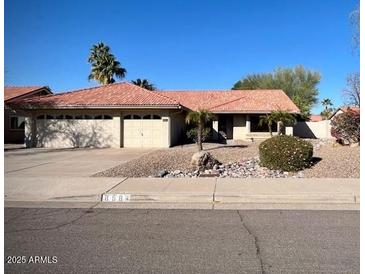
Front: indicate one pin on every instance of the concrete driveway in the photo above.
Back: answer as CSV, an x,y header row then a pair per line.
x,y
65,162
49,174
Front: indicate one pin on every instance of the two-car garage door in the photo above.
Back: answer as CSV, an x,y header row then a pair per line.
x,y
145,131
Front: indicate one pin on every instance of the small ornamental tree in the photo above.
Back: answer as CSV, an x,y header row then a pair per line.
x,y
199,119
346,127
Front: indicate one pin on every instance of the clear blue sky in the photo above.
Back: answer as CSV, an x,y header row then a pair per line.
x,y
179,44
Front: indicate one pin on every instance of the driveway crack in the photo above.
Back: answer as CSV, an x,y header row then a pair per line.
x,y
256,242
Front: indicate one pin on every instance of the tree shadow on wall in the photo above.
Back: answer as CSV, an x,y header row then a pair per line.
x,y
71,133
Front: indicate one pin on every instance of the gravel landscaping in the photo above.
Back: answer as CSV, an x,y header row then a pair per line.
x,y
239,160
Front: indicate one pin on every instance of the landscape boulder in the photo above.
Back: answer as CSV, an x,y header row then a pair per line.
x,y
203,160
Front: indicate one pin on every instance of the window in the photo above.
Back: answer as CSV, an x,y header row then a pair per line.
x,y
127,117
79,117
49,116
88,117
17,123
147,117
59,117
98,117
136,117
107,117
69,117
256,127
156,117
40,117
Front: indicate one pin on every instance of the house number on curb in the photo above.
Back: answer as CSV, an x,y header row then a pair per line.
x,y
116,197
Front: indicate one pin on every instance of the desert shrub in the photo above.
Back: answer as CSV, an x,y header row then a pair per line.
x,y
286,153
192,134
346,127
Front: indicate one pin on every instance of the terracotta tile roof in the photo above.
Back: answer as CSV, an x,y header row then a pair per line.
x,y
346,109
245,101
129,95
112,95
353,109
315,118
14,92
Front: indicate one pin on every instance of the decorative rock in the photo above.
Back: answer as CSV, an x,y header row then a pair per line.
x,y
203,160
161,173
249,168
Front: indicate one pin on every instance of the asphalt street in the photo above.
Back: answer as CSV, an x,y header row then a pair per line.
x,y
180,241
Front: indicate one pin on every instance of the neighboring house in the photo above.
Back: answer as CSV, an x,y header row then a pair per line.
x,y
315,118
125,115
13,120
345,109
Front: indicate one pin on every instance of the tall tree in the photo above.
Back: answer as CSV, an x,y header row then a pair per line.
x,y
298,83
352,91
104,66
355,22
199,118
144,84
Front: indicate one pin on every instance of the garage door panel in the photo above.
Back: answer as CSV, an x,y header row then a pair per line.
x,y
145,133
132,133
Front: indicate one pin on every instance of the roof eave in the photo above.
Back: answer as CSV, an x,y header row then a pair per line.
x,y
35,107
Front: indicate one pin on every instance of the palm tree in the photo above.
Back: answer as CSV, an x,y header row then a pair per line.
x,y
282,118
266,119
143,83
199,118
326,113
326,103
104,66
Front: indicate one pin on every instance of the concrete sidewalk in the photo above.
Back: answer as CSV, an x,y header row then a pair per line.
x,y
197,192
291,190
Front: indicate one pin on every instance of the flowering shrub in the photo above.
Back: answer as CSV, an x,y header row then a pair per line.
x,y
286,153
346,127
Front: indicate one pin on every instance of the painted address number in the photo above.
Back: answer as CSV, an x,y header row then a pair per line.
x,y
116,197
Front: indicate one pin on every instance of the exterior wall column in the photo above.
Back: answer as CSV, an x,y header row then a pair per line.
x,y
116,131
215,130
289,131
248,123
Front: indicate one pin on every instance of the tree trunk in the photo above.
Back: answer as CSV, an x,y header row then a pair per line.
x,y
200,136
270,129
281,128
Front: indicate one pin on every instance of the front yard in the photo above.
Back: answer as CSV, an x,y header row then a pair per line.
x,y
241,160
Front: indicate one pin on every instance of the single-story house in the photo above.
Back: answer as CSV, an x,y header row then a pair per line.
x,y
344,109
14,122
125,115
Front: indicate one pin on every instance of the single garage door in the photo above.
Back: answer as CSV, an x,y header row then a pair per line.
x,y
145,131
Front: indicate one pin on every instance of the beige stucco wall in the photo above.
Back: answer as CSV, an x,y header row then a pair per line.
x,y
320,129
240,128
178,127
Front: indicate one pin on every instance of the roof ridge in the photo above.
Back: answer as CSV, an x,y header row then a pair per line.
x,y
117,83
95,87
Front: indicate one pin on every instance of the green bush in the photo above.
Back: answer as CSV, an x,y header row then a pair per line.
x,y
286,153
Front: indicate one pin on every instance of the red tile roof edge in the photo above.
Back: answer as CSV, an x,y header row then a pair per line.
x,y
32,89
